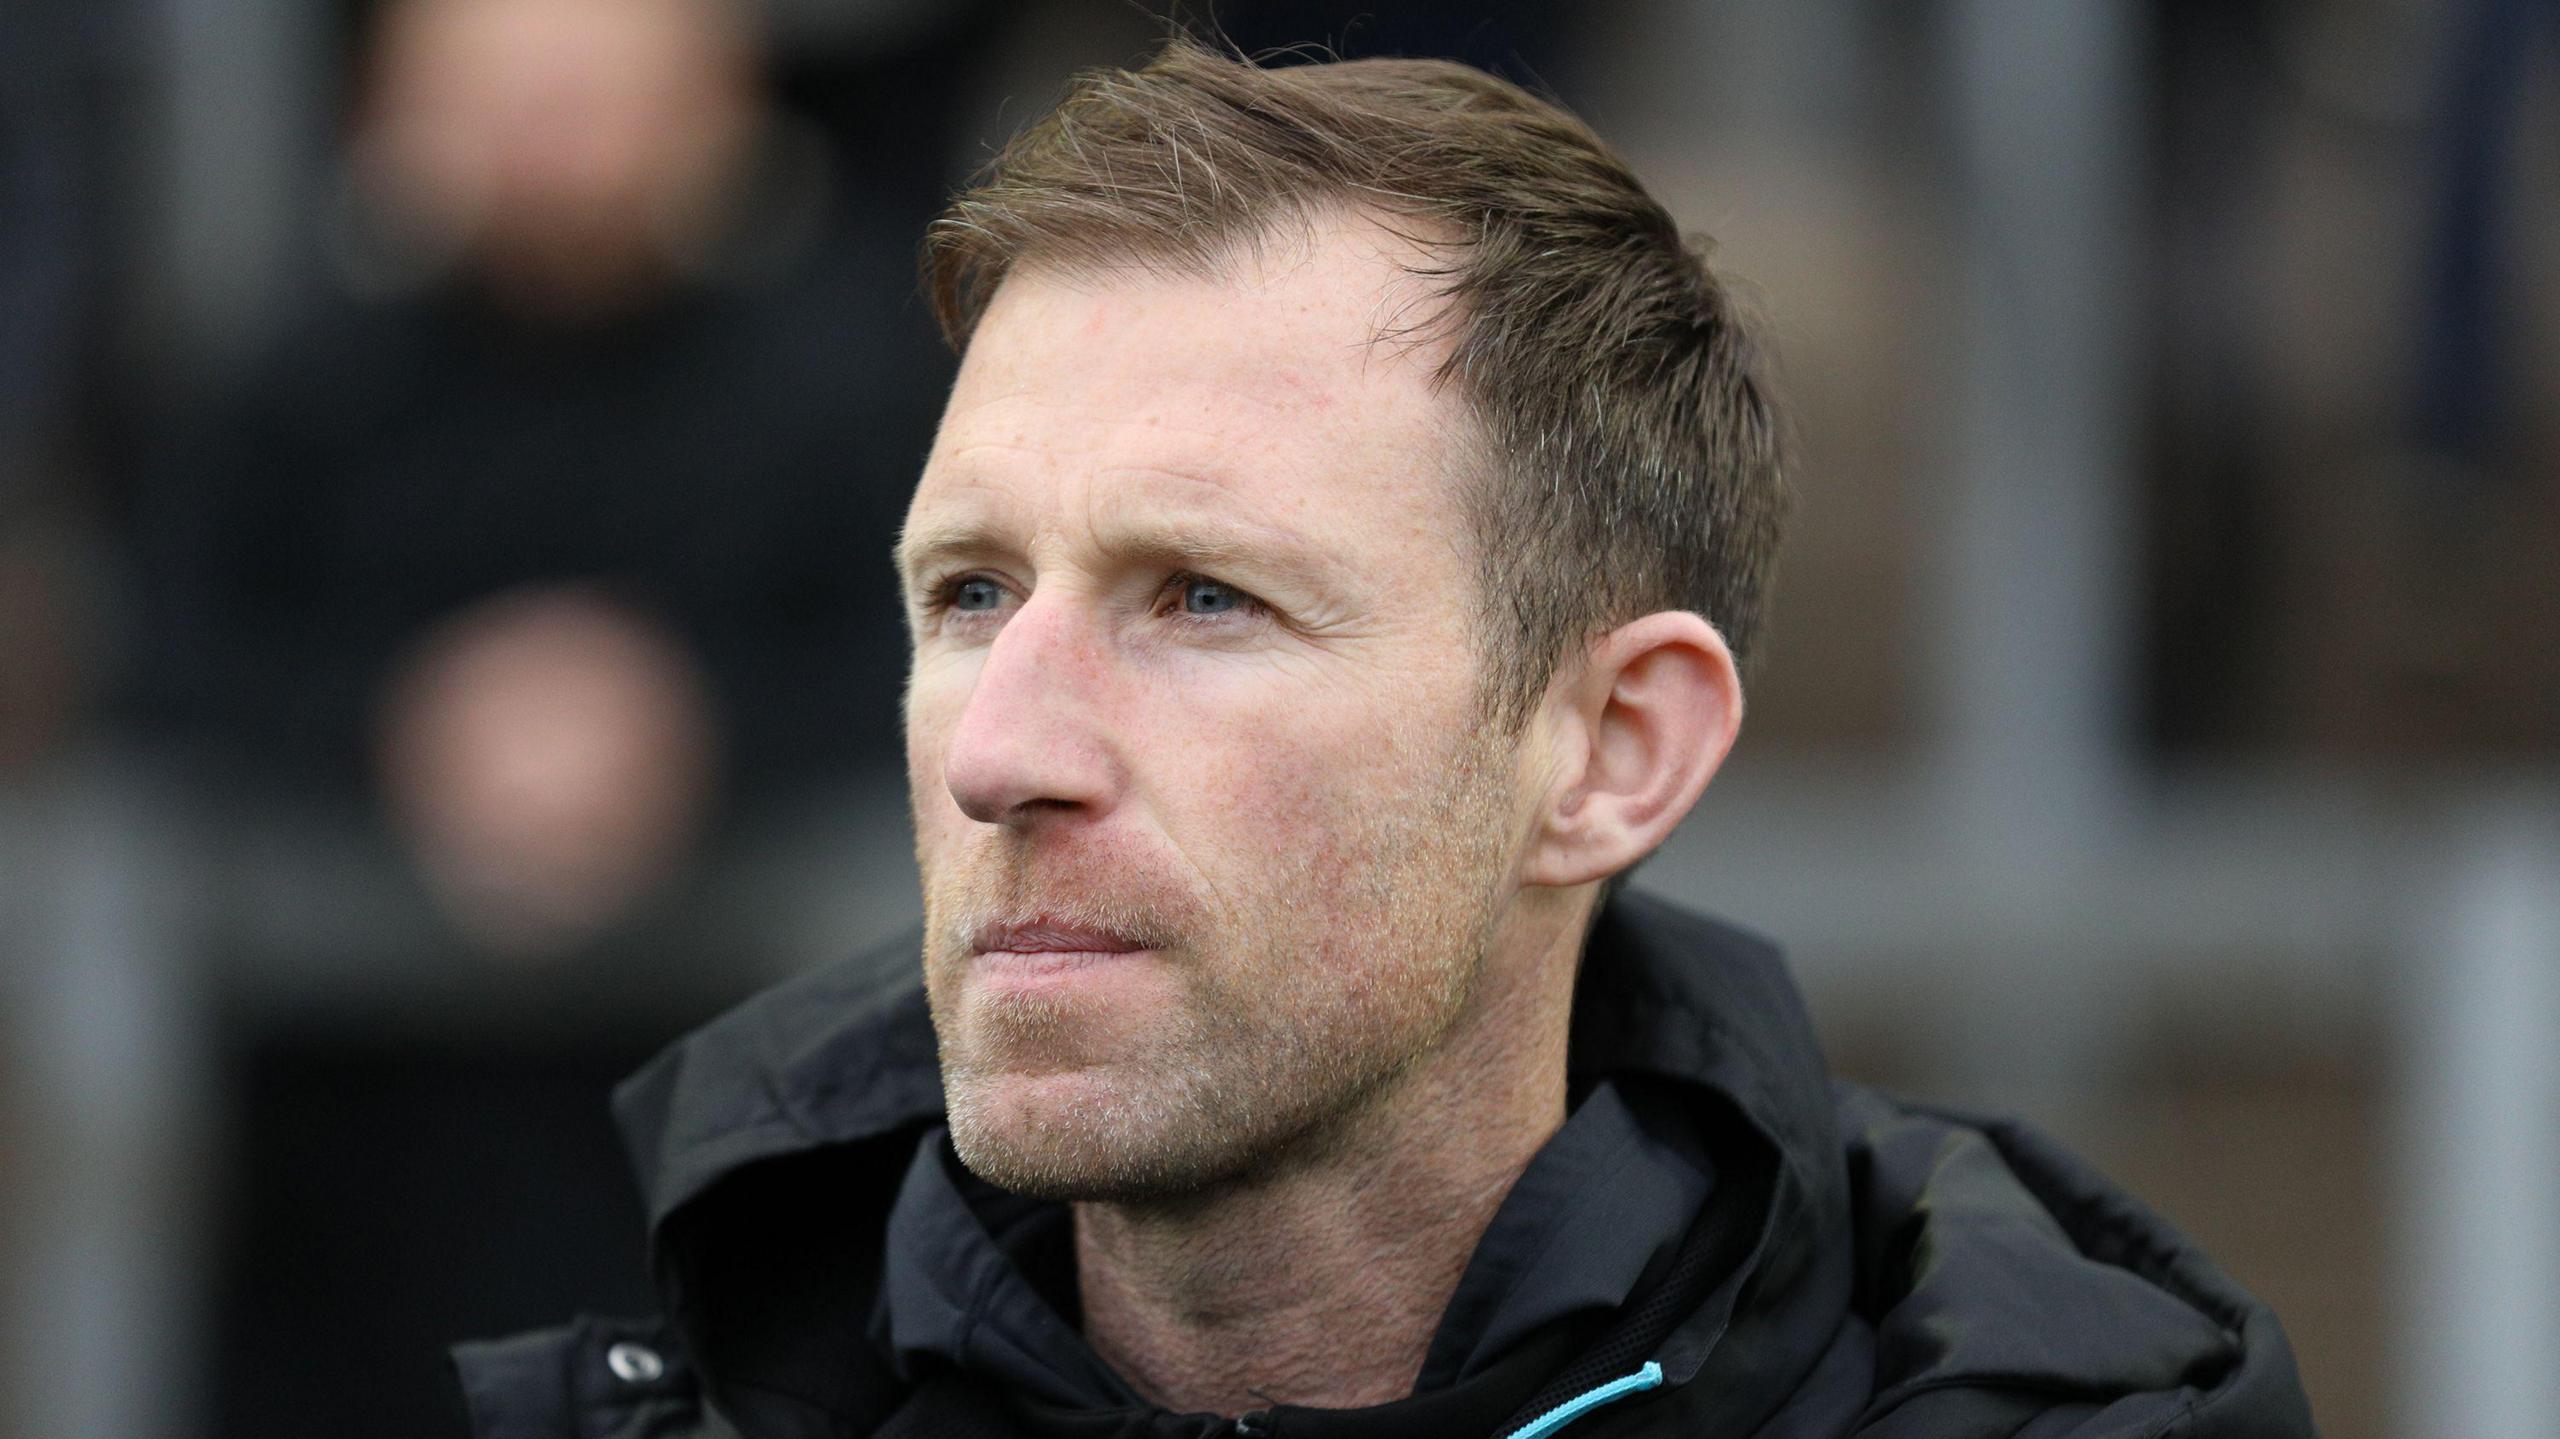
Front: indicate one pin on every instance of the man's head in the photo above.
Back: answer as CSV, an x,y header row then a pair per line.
x,y
1627,453
568,155
1312,584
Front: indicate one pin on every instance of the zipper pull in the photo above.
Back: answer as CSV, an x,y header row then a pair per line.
x,y
1255,1424
1649,1377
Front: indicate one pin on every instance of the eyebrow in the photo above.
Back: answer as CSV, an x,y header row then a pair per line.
x,y
920,549
1183,542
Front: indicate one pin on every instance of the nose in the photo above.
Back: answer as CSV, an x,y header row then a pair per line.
x,y
1033,740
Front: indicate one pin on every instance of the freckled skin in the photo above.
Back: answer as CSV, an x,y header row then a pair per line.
x,y
1343,1033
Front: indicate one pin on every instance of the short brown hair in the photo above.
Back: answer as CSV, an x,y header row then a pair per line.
x,y
1637,455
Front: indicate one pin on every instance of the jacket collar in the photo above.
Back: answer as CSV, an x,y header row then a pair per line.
x,y
769,1145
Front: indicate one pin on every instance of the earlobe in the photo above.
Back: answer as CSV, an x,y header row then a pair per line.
x,y
1653,712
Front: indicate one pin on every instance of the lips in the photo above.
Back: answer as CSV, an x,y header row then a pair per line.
x,y
1049,956
1044,936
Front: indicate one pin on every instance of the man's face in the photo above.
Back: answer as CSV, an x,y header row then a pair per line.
x,y
1212,837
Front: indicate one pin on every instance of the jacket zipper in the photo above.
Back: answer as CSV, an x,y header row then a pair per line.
x,y
1257,1423
1649,1377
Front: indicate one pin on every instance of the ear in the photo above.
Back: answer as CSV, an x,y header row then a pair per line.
x,y
1637,731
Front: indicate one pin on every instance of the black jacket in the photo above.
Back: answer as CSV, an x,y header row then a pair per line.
x,y
1867,1268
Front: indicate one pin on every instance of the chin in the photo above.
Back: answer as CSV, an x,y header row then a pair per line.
x,y
1080,1138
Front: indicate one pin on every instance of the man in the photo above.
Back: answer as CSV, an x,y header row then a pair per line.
x,y
1327,582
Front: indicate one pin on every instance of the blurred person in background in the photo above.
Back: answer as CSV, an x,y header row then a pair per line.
x,y
544,535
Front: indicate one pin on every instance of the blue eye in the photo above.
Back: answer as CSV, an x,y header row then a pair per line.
x,y
1208,597
976,595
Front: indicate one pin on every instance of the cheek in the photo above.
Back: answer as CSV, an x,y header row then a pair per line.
x,y
1286,797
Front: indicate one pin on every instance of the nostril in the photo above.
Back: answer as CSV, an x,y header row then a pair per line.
x,y
1024,776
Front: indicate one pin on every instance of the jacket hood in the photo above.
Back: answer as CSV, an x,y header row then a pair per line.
x,y
1877,1268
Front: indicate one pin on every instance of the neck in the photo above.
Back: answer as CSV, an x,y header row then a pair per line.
x,y
1240,1298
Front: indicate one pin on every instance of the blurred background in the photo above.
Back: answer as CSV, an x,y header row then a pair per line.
x,y
449,451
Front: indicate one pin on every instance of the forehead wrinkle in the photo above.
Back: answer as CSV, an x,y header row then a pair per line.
x,y
1188,387
1136,520
1132,523
1088,445
1139,468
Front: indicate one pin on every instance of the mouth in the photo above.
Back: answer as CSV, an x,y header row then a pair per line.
x,y
1048,936
1040,948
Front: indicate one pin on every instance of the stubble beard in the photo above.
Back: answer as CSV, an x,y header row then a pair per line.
x,y
1301,1002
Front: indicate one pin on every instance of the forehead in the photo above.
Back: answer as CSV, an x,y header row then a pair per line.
x,y
1300,379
